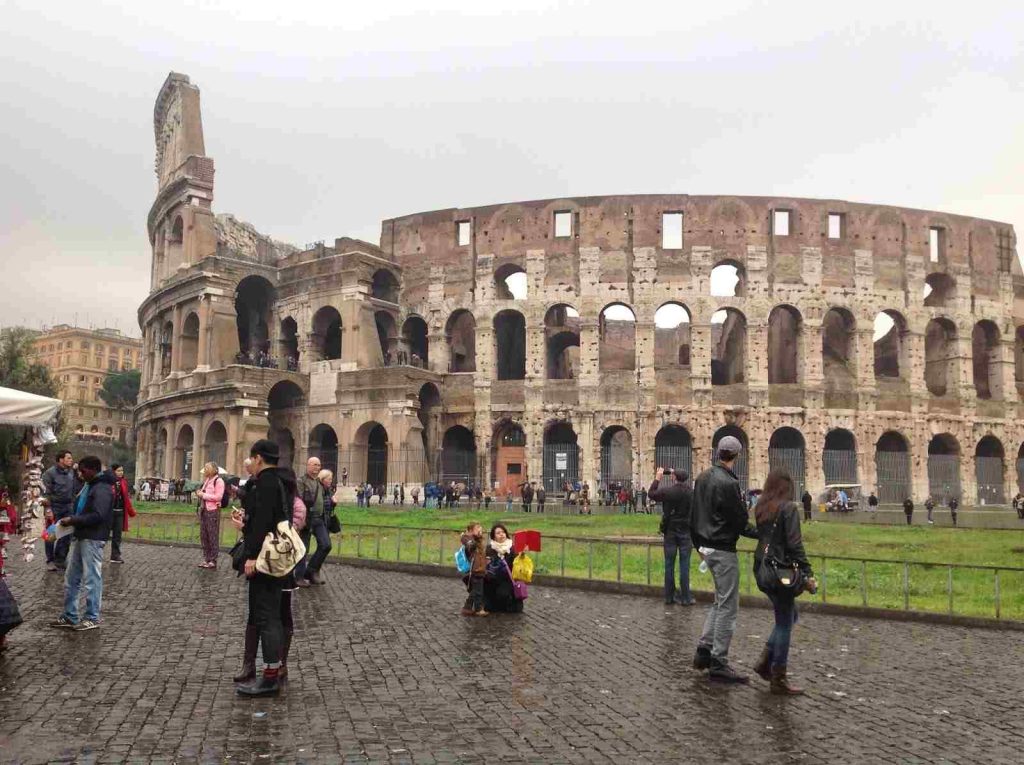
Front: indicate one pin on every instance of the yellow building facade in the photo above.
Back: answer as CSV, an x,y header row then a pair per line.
x,y
79,359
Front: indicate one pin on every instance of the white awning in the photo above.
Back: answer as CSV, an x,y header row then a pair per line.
x,y
27,409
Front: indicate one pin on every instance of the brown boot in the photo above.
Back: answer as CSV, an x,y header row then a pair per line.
x,y
252,642
763,665
286,644
781,686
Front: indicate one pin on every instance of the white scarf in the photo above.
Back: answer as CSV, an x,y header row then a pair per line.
x,y
503,548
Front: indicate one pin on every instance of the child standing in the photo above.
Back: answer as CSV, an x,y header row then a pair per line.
x,y
475,547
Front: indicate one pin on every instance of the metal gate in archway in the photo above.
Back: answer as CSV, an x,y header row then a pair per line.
x,y
377,465
943,476
793,461
839,466
989,474
678,457
561,463
893,471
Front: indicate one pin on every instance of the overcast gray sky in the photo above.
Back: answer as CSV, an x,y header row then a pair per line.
x,y
325,118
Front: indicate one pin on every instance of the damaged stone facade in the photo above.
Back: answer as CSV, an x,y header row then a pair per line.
x,y
415,360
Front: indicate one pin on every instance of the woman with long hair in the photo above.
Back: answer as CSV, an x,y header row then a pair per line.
x,y
778,523
210,496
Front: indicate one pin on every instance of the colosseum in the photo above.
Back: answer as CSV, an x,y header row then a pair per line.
x,y
585,339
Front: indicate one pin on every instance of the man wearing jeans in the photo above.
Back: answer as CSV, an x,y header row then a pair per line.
x,y
91,518
61,486
312,493
675,498
718,519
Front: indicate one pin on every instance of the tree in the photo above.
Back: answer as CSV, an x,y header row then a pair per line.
x,y
121,389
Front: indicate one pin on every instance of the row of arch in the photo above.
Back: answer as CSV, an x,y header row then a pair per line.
x,y
213,448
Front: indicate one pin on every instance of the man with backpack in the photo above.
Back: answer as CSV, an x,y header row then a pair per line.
x,y
675,498
718,519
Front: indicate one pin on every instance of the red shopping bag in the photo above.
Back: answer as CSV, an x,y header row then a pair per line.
x,y
526,538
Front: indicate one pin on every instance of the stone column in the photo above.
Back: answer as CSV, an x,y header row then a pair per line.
x,y
203,352
968,477
590,470
176,340
171,426
1008,374
234,465
198,454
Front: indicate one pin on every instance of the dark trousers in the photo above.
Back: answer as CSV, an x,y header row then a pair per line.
x,y
540,507
318,529
678,543
300,568
57,552
265,614
475,599
909,516
209,534
116,531
526,506
785,617
807,512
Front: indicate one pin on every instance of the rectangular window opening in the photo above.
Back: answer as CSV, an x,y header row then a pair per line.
x,y
836,225
934,243
514,468
780,223
563,224
463,232
672,231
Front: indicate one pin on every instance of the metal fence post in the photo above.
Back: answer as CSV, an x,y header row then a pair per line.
x,y
377,549
590,559
906,586
359,542
562,566
949,587
618,563
419,545
440,547
649,565
996,582
864,582
824,579
398,545
177,529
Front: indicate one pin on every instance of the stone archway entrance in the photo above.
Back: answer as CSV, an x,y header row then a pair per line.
x,y
509,450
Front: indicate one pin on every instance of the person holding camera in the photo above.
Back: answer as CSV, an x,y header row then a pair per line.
x,y
778,526
675,497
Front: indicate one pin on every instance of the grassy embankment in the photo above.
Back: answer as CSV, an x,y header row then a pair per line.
x,y
592,547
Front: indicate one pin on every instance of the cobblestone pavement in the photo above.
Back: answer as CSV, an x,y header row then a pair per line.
x,y
384,670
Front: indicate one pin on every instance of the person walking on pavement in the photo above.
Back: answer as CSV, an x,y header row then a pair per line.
x,y
541,498
675,497
929,505
908,509
806,500
91,516
953,505
311,490
263,510
123,510
61,486
718,518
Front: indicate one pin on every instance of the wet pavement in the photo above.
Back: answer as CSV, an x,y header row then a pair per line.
x,y
384,670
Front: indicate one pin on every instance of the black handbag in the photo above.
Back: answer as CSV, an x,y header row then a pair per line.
x,y
774,573
10,614
333,524
237,554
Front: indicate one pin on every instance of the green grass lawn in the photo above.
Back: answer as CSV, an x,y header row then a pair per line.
x,y
616,548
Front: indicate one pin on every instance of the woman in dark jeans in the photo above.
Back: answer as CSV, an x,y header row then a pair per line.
x,y
778,519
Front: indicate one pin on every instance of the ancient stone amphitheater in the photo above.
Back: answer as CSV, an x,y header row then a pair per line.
x,y
585,339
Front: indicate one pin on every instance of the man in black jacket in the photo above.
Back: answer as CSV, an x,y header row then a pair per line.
x,y
718,519
806,500
675,497
91,515
265,506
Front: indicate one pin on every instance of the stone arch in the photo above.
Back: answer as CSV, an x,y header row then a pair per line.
x,y
285,440
939,289
784,327
460,332
890,345
458,456
190,342
384,286
742,466
254,306
285,394
508,457
941,360
617,337
160,454
371,442
728,347
387,336
839,457
327,332
892,468
985,351
166,347
562,342
839,348
323,444
616,458
672,336
786,449
943,467
215,444
510,345
289,344
1018,355
989,471
183,465
561,456
673,448
415,335
510,279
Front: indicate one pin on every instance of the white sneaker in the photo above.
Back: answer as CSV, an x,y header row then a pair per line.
x,y
86,624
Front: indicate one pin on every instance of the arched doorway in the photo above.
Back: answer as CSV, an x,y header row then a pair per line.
x,y
183,456
254,303
429,415
562,340
461,334
159,455
327,332
510,282
414,334
323,444
561,457
283,401
784,323
892,468
786,450
215,445
839,348
940,357
671,336
510,345
387,337
289,348
988,470
508,448
385,286
673,448
728,347
617,338
286,445
458,456
987,364
839,458
943,467
616,459
377,455
190,343
741,468
890,346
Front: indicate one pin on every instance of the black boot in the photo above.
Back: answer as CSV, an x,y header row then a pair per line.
x,y
702,659
763,667
252,642
264,685
721,672
780,685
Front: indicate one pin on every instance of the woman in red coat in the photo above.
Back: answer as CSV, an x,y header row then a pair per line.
x,y
123,510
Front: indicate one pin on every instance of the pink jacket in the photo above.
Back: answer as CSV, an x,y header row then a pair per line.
x,y
212,493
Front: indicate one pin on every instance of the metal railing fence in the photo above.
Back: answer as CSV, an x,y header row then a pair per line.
x,y
932,587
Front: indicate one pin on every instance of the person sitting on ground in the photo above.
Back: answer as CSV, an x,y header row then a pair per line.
x,y
498,592
475,548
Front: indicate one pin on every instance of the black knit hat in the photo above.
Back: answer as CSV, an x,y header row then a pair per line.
x,y
266,449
